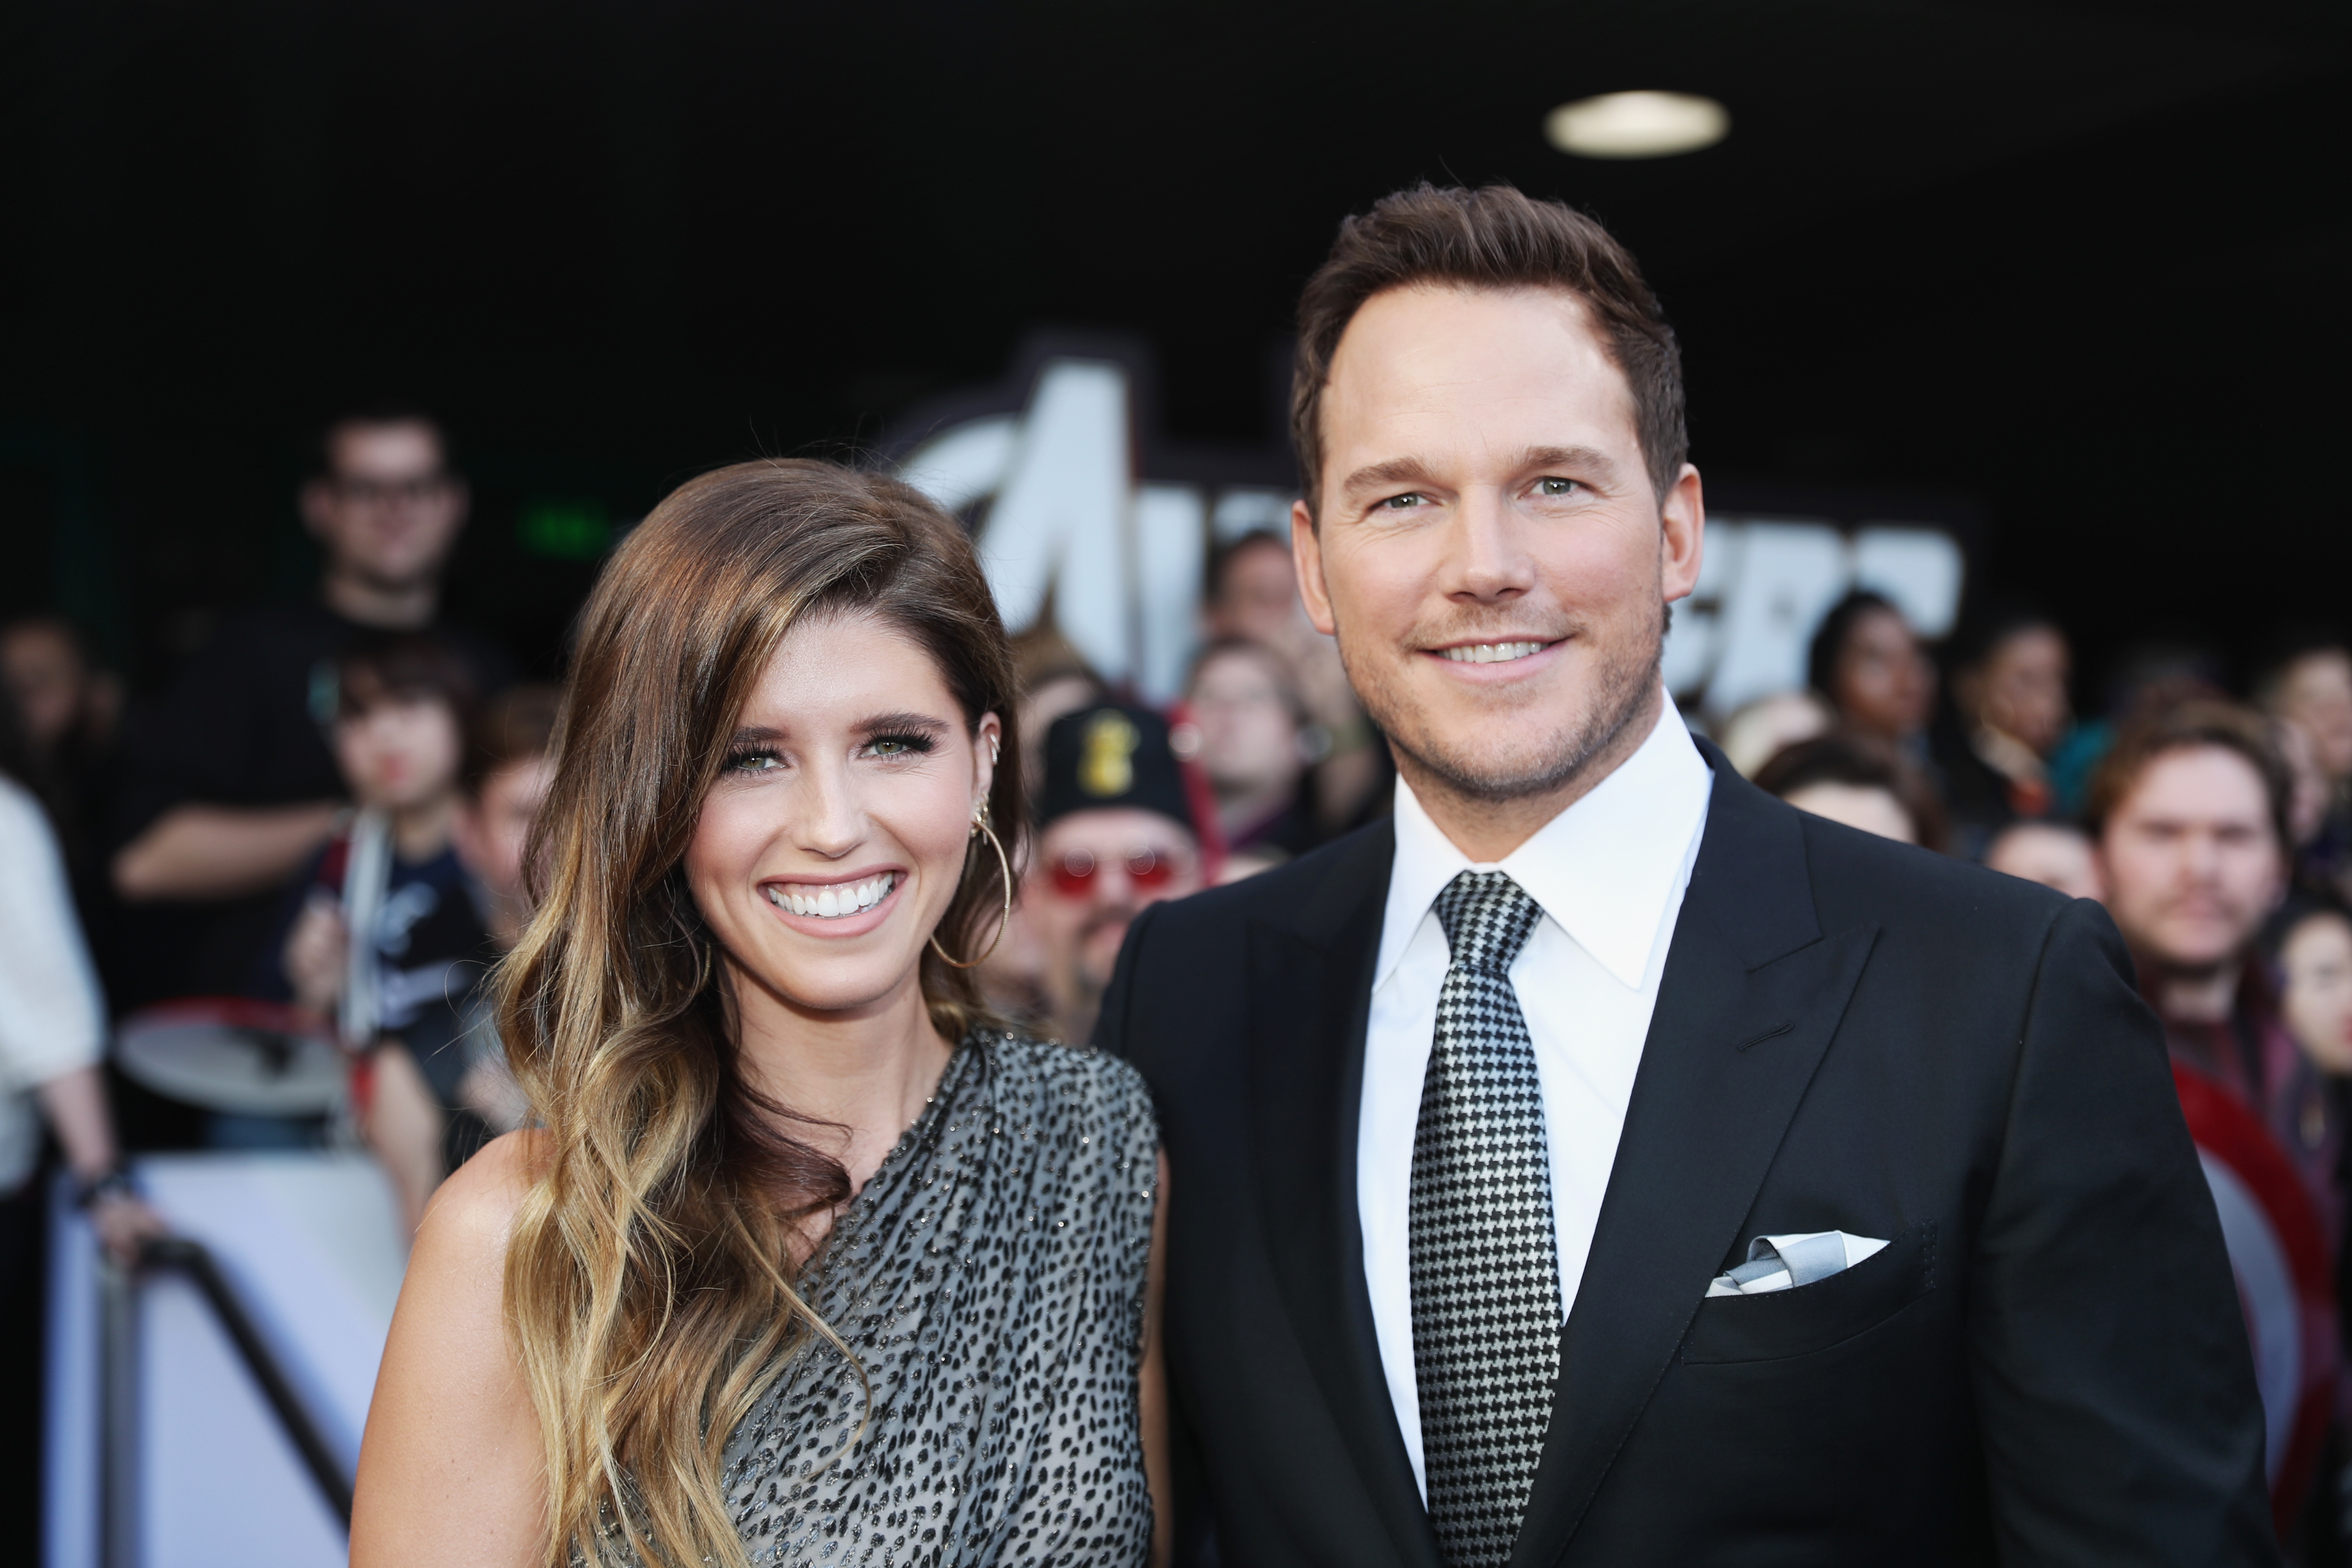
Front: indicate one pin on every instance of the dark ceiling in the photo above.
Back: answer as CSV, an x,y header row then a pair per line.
x,y
2082,264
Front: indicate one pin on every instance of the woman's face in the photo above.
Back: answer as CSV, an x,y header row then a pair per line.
x,y
2317,957
830,848
1884,684
2025,687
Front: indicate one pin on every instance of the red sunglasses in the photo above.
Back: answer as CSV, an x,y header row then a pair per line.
x,y
1074,873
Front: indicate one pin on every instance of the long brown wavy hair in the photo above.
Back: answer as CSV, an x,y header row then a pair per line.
x,y
650,1283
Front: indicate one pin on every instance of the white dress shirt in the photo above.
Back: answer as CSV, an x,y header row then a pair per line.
x,y
1610,873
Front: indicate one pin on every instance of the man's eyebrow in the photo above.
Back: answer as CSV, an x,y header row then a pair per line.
x,y
1590,458
1395,471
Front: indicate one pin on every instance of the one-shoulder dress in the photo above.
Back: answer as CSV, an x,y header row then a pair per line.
x,y
989,1279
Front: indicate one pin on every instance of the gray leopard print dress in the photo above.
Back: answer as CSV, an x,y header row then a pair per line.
x,y
989,1279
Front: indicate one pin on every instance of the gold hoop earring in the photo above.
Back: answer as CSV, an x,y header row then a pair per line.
x,y
978,826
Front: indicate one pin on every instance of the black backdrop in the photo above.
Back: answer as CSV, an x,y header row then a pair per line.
x,y
2082,264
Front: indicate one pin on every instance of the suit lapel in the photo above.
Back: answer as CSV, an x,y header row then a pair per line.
x,y
1751,994
1310,984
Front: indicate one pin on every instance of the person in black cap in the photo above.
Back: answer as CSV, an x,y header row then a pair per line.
x,y
1115,833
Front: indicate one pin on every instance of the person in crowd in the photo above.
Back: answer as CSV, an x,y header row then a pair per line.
x,y
2189,813
2058,855
1253,597
1115,834
52,1029
384,933
2312,944
1255,737
509,766
718,1302
1860,781
231,787
1761,727
52,1037
2009,711
1867,661
1491,1124
71,710
2307,689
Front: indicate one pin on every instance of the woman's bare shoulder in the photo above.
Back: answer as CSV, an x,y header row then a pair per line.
x,y
472,1215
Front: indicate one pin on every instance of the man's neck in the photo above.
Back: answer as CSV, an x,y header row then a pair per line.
x,y
404,608
1487,830
2198,995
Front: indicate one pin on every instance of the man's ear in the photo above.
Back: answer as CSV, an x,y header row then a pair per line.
x,y
1682,535
1306,560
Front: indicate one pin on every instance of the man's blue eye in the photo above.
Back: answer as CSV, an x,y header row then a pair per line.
x,y
1557,487
1399,503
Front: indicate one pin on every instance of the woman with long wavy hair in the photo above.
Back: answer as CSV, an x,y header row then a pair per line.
x,y
807,1258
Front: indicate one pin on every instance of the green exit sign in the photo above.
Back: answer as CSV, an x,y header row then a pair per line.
x,y
566,530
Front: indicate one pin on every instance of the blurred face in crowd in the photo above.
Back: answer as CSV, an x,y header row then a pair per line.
x,y
399,753
2021,687
1041,704
2306,810
1249,728
1257,594
1093,871
1866,806
1883,683
2317,960
390,510
1487,546
831,846
2191,863
2317,693
48,677
492,831
2047,853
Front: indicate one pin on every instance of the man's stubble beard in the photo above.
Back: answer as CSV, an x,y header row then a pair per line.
x,y
1620,688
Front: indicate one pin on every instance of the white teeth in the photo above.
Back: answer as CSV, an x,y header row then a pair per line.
x,y
832,902
1492,652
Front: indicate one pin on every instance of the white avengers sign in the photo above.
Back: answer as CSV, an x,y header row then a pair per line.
x,y
1070,525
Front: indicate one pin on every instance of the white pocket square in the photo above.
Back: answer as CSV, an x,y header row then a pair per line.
x,y
1779,1262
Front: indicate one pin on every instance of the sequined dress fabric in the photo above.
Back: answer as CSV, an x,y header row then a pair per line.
x,y
989,1279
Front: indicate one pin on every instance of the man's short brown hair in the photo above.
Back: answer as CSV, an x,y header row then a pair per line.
x,y
2193,725
1495,238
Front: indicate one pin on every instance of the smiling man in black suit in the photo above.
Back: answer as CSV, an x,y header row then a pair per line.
x,y
1603,1163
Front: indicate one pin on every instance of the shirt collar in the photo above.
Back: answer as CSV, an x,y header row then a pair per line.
x,y
1603,870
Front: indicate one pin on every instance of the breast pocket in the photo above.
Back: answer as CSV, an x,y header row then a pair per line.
x,y
1782,1323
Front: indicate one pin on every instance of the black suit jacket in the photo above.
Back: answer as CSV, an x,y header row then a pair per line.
x,y
2046,1365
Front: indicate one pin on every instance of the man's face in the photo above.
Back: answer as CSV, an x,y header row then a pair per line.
x,y
2317,695
1094,872
46,677
1489,552
2191,864
390,512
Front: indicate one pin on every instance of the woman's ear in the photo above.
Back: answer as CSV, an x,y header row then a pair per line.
x,y
988,742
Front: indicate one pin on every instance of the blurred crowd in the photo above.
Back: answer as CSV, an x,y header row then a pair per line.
x,y
324,812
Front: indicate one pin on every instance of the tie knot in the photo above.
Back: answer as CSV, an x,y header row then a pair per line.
x,y
1487,917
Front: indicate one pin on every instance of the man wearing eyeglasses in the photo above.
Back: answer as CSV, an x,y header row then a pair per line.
x,y
232,786
1115,834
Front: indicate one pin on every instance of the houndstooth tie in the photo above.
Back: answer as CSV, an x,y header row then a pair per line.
x,y
1484,1259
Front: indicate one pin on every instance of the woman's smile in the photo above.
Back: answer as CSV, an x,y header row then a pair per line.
x,y
838,907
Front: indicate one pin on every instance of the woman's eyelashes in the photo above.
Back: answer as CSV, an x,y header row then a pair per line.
x,y
895,747
751,759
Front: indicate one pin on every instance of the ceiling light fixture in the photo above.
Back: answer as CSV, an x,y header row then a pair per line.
x,y
1637,125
